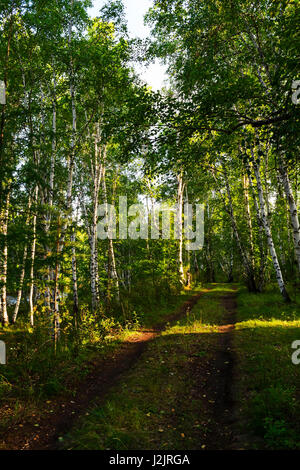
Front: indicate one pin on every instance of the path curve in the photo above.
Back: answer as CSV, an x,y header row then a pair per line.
x,y
44,434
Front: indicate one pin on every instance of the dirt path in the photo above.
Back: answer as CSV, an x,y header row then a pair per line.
x,y
202,396
59,416
220,385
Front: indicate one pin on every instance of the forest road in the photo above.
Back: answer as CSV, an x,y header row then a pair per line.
x,y
43,433
221,382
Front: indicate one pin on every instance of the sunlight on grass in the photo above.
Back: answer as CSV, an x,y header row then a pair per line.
x,y
207,315
268,381
157,405
272,323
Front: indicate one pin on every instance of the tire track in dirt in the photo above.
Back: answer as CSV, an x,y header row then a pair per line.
x,y
221,381
43,433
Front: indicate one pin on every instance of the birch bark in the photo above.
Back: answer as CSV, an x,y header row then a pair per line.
x,y
284,177
32,258
262,268
179,232
229,209
22,272
97,173
113,277
3,266
270,242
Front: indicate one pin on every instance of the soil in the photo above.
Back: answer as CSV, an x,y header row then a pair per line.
x,y
220,385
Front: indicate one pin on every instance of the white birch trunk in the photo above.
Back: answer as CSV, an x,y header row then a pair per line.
x,y
229,209
3,267
20,289
112,272
261,230
32,259
74,275
292,209
270,242
50,274
71,163
56,319
180,192
22,272
97,172
249,220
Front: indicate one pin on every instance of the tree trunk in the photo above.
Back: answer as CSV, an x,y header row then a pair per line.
x,y
248,218
74,275
113,277
179,231
262,267
3,267
50,274
32,258
97,174
71,163
56,316
284,177
270,242
20,288
229,209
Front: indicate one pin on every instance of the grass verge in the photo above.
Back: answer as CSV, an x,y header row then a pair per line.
x,y
268,382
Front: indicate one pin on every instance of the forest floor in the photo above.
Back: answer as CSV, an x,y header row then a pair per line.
x,y
37,429
214,374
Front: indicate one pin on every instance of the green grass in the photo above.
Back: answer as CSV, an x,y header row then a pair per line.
x,y
207,314
35,373
155,405
160,403
268,382
156,312
153,408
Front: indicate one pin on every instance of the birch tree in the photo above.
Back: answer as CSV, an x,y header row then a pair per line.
x,y
265,221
